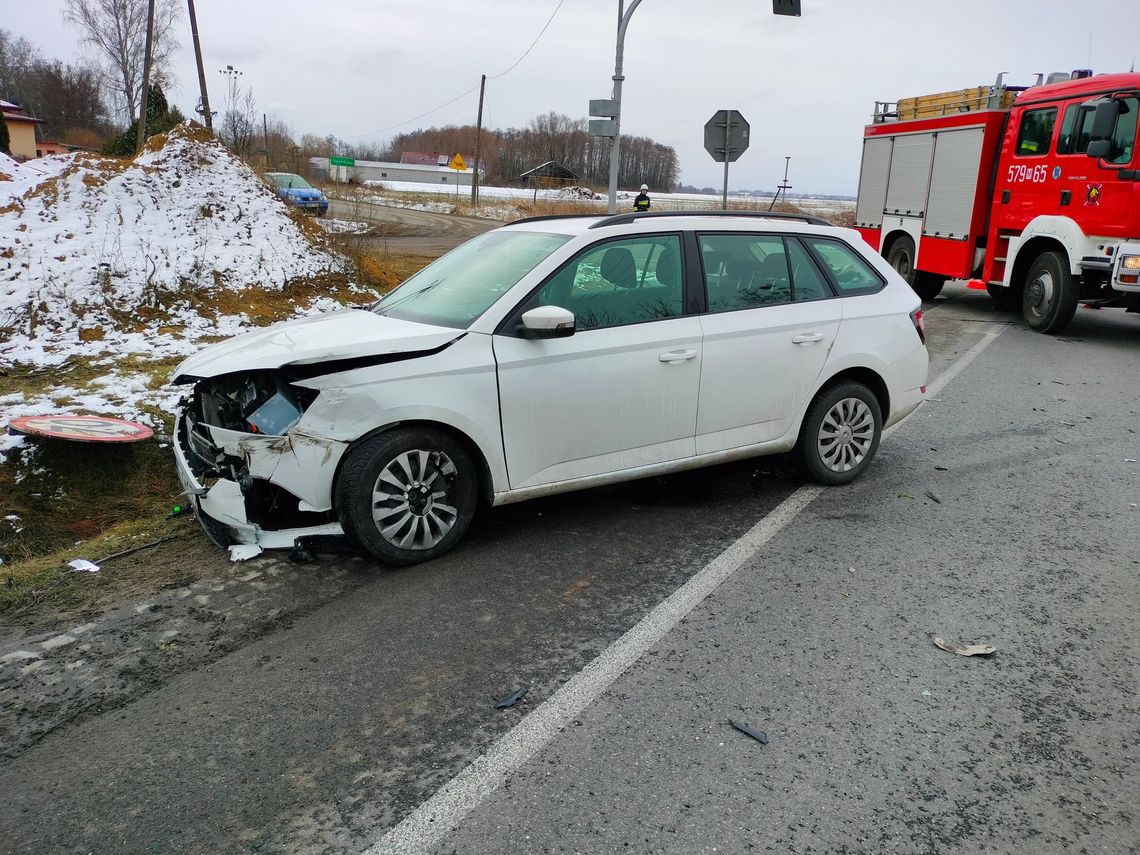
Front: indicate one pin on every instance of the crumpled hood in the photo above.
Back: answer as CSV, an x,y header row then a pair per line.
x,y
343,335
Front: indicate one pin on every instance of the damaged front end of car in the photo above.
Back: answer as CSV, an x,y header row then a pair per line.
x,y
257,480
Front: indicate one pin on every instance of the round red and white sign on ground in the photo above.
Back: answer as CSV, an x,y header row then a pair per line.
x,y
81,428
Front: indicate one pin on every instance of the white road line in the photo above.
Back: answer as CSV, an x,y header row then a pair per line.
x,y
437,817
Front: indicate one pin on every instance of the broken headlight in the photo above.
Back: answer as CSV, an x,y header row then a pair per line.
x,y
259,402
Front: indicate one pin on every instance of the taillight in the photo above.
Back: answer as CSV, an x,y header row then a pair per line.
x,y
919,327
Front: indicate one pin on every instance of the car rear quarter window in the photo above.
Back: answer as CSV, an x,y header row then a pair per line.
x,y
849,271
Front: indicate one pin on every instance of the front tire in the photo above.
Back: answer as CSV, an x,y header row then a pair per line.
x,y
1049,299
840,433
408,495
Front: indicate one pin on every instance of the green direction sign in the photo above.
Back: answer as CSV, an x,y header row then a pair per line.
x,y
342,161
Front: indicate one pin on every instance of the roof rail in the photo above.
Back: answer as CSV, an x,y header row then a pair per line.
x,y
623,219
539,219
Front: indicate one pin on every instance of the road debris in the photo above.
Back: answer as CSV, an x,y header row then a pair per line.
x,y
905,496
1129,459
300,554
759,735
963,649
930,495
942,468
82,565
510,700
244,551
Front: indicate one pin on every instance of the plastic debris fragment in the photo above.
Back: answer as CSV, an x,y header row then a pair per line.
x,y
963,649
510,700
759,735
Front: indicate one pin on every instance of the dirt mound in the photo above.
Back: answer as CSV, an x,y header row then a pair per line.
x,y
577,193
119,244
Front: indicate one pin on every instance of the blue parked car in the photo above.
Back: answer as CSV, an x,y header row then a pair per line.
x,y
295,190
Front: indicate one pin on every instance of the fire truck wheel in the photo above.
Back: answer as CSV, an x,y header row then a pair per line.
x,y
1049,300
927,285
901,257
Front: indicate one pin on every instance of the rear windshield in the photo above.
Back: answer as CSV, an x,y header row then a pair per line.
x,y
459,287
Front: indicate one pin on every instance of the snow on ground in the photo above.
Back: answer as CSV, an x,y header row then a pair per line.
x,y
446,197
117,246
13,172
342,227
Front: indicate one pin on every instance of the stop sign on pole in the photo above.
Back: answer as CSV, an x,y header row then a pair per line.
x,y
726,135
726,138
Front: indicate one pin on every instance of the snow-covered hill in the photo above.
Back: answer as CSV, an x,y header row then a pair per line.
x,y
123,248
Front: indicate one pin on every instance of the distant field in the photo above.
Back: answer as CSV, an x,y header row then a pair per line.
x,y
508,203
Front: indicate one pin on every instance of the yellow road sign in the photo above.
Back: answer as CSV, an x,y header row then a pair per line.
x,y
457,162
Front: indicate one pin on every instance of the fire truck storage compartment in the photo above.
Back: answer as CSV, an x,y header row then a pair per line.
x,y
953,182
910,175
873,181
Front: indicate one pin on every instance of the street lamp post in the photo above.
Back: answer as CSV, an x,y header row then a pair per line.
x,y
623,23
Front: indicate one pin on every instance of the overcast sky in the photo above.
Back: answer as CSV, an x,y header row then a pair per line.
x,y
807,85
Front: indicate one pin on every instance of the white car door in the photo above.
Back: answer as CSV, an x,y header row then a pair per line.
x,y
618,394
771,321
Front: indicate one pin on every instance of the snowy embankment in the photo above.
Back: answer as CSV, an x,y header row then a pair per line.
x,y
123,248
111,263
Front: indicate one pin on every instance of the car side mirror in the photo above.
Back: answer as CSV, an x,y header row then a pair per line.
x,y
548,322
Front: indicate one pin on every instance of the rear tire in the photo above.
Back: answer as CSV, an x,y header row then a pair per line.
x,y
928,285
1049,299
901,257
408,495
840,433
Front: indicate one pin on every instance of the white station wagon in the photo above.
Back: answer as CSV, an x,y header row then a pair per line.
x,y
549,355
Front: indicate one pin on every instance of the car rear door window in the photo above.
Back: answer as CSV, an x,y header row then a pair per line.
x,y
618,282
849,271
807,282
750,271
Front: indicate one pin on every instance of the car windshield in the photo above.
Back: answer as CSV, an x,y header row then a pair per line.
x,y
289,181
459,287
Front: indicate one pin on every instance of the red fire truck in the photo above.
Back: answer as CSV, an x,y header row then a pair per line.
x,y
1031,192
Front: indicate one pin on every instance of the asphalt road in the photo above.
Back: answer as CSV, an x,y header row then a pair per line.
x,y
407,231
327,730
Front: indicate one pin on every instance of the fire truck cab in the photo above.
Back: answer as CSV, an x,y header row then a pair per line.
x,y
1031,192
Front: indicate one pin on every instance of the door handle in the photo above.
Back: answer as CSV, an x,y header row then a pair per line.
x,y
807,338
674,356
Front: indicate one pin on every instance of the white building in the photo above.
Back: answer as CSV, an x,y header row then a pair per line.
x,y
374,170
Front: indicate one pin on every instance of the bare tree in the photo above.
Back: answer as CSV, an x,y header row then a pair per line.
x,y
116,30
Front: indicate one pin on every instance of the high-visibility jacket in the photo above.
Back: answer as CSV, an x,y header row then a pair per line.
x,y
641,203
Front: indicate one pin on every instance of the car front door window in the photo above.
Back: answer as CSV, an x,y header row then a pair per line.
x,y
619,282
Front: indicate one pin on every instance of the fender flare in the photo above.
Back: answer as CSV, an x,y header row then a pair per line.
x,y
1060,230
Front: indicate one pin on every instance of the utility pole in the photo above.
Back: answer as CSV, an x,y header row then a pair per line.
x,y
478,134
207,116
615,149
141,137
265,132
784,185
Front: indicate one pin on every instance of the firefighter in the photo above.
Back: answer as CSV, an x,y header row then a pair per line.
x,y
641,203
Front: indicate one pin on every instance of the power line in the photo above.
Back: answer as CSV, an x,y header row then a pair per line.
x,y
420,116
473,88
532,44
